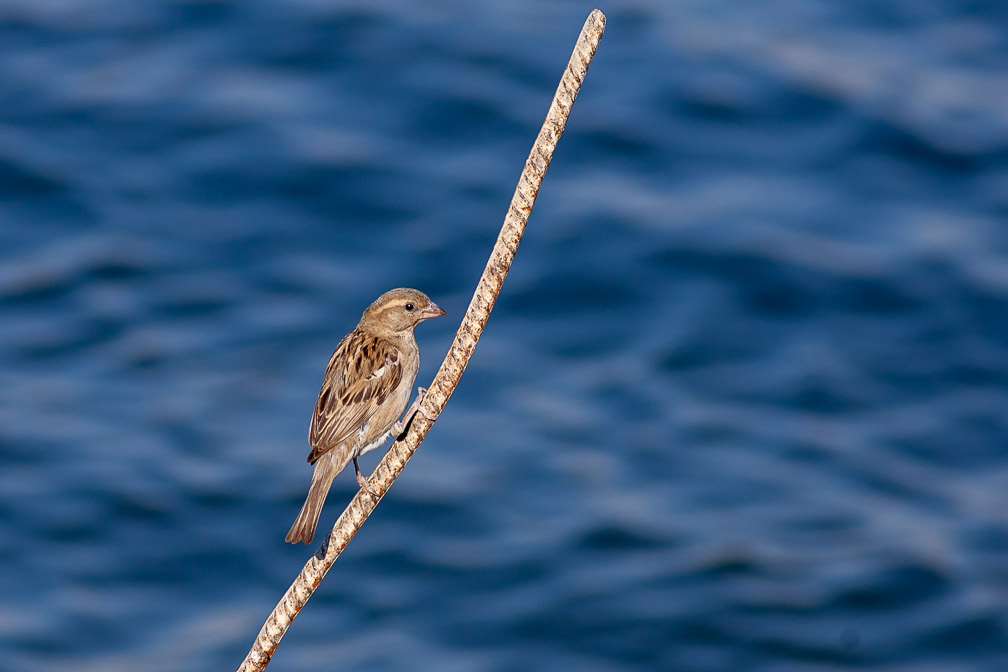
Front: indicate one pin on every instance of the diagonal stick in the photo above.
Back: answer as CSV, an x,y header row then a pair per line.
x,y
361,506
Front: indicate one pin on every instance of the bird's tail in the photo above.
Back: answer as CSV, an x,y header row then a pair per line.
x,y
303,528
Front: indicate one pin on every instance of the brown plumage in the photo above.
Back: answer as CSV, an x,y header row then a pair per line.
x,y
366,388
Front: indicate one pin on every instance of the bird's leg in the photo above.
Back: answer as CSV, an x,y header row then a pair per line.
x,y
361,433
399,427
361,480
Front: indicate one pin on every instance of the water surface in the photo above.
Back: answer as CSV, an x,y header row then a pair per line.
x,y
742,403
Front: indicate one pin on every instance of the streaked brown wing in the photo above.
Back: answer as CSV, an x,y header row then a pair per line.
x,y
362,373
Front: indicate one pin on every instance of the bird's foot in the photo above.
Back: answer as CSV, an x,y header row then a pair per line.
x,y
363,481
400,427
421,394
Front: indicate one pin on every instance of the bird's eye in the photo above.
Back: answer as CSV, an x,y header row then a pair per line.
x,y
409,307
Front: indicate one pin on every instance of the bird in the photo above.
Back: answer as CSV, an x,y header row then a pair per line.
x,y
366,388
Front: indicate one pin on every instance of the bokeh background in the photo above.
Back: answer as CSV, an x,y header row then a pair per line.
x,y
743,403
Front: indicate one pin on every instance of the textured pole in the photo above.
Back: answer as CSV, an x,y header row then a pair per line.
x,y
361,506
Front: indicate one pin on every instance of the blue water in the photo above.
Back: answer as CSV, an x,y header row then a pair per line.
x,y
742,405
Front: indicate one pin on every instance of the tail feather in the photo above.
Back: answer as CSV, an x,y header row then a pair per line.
x,y
303,528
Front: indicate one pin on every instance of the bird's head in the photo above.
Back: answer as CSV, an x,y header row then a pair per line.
x,y
400,310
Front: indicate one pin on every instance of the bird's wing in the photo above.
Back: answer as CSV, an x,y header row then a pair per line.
x,y
363,373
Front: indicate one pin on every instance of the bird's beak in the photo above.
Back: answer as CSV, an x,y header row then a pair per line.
x,y
432,310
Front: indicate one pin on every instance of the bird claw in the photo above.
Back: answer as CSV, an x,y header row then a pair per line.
x,y
363,481
367,487
416,407
421,394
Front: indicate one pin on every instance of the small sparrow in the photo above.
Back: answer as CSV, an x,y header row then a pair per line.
x,y
366,387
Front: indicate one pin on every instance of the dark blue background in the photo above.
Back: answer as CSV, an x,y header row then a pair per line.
x,y
743,404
